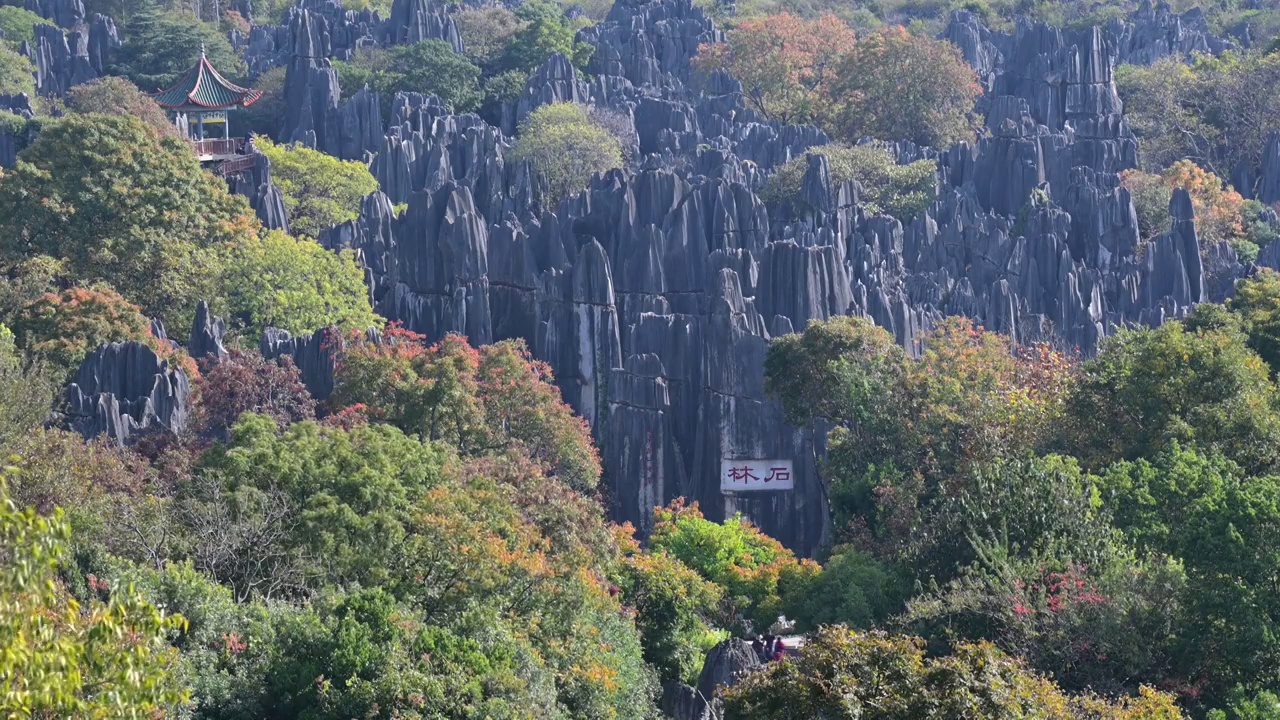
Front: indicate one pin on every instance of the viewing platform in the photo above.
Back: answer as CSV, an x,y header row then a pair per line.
x,y
199,102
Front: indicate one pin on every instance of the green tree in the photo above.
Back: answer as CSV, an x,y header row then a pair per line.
x,y
1149,386
675,609
1216,111
1257,304
341,501
1220,523
748,565
265,116
486,32
26,394
123,206
277,280
893,85
319,190
160,45
16,73
496,398
853,589
117,96
903,191
907,433
431,66
105,658
563,144
545,32
18,25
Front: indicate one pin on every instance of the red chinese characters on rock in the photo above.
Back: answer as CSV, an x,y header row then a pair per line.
x,y
739,475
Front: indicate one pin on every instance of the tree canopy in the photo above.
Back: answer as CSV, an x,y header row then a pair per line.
x,y
276,280
319,190
160,45
121,205
566,147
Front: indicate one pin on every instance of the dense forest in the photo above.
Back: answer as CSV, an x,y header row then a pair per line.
x,y
409,395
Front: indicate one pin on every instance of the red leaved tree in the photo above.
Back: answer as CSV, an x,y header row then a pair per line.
x,y
784,62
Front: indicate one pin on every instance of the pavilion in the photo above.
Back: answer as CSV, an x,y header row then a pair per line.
x,y
202,95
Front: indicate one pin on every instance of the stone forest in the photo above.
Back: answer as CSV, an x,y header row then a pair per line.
x,y
638,359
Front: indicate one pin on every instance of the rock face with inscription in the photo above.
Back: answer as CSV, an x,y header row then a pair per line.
x,y
654,292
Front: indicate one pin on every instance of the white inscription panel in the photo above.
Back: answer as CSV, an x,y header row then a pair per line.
x,y
754,475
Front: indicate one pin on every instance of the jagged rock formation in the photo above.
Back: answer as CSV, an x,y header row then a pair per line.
x,y
654,292
64,59
205,340
264,197
323,29
314,354
123,390
64,13
681,702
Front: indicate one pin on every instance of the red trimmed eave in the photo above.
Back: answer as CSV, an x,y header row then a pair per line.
x,y
181,79
248,95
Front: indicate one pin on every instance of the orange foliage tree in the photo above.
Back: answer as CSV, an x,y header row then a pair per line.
x,y
784,62
481,401
65,327
1218,208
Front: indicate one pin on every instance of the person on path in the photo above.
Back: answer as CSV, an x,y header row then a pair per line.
x,y
779,649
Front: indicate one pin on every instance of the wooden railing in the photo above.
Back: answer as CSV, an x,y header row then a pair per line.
x,y
219,147
236,164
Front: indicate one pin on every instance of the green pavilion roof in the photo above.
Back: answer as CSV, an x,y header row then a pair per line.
x,y
203,88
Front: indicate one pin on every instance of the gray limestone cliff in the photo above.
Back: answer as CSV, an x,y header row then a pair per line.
x,y
124,390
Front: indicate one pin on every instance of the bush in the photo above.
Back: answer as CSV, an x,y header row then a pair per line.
x,y
319,190
16,73
563,144
903,191
118,96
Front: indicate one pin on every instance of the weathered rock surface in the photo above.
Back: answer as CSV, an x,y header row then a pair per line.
x,y
124,390
654,292
205,340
